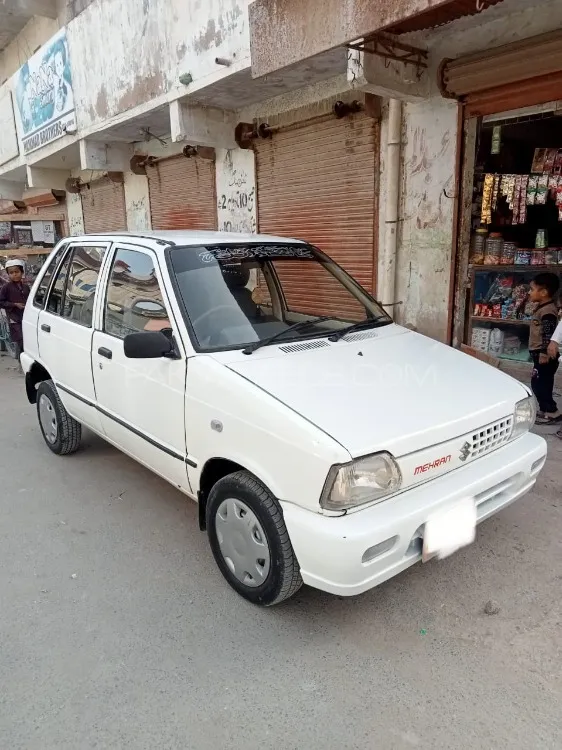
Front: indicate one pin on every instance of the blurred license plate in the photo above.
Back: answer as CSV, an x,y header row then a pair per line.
x,y
448,531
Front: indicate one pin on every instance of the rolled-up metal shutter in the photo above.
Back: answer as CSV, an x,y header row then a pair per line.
x,y
528,70
103,206
182,193
318,182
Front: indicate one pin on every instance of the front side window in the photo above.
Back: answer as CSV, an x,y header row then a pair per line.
x,y
81,285
240,295
43,288
134,301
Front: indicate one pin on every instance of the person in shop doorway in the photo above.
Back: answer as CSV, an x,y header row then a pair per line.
x,y
544,289
13,297
553,352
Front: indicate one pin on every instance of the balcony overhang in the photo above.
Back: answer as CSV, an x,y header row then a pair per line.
x,y
285,32
14,14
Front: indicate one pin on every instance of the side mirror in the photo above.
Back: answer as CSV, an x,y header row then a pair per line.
x,y
148,345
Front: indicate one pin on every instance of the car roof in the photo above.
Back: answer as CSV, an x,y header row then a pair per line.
x,y
187,237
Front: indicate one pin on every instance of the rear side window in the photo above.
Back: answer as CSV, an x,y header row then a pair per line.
x,y
43,288
83,275
56,296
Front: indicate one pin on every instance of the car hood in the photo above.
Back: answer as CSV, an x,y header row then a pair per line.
x,y
397,391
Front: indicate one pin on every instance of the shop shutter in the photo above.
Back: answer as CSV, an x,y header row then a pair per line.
x,y
182,193
318,182
538,57
103,206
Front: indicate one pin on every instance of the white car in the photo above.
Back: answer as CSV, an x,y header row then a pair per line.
x,y
323,443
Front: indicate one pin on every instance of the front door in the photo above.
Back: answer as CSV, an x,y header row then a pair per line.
x,y
65,329
141,402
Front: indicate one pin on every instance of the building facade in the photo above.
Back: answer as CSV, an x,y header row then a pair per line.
x,y
354,125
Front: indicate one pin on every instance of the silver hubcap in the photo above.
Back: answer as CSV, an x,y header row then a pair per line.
x,y
48,419
242,541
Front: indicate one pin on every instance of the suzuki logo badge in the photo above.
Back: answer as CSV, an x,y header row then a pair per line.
x,y
465,452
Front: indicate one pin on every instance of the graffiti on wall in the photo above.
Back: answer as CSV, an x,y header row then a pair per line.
x,y
44,96
236,192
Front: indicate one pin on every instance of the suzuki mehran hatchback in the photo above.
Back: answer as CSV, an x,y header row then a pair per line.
x,y
324,443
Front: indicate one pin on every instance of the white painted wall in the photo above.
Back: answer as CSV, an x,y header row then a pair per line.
x,y
129,52
75,215
137,202
236,190
426,231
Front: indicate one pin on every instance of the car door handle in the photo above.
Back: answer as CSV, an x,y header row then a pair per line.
x,y
46,328
103,352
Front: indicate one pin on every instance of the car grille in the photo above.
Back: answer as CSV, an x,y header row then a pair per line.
x,y
489,438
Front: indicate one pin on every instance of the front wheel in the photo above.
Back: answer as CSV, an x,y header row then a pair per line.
x,y
250,542
61,432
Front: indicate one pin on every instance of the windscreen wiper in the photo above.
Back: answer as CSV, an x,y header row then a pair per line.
x,y
381,320
295,327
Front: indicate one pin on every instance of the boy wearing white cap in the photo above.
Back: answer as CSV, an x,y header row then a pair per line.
x,y
13,297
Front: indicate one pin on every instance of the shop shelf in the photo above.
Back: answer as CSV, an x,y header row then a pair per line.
x,y
505,321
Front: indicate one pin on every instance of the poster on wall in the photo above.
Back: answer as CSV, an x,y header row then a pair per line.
x,y
8,139
44,96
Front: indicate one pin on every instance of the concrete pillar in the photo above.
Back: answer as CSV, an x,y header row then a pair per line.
x,y
105,157
75,214
50,179
236,190
11,191
137,202
202,126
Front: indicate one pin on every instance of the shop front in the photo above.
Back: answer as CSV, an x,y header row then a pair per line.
x,y
510,210
182,193
317,180
103,204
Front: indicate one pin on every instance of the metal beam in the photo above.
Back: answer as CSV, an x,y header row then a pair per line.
x,y
28,8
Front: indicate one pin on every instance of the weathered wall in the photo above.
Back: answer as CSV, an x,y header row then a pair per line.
x,y
427,208
137,202
236,190
148,45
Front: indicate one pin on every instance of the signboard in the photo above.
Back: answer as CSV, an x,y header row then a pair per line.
x,y
8,138
44,96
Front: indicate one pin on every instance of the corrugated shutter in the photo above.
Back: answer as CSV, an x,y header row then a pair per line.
x,y
318,182
182,193
523,94
103,206
503,66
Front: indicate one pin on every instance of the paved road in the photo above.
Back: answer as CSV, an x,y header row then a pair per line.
x,y
117,630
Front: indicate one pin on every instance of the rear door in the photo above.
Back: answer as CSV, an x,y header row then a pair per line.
x,y
141,401
65,329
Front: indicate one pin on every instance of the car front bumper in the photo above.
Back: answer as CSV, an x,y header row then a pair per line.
x,y
331,550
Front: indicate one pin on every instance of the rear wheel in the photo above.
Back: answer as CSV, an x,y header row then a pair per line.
x,y
61,432
250,542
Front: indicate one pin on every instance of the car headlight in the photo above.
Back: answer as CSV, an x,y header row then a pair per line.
x,y
524,417
362,481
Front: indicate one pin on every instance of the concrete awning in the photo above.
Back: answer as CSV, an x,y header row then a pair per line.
x,y
14,14
285,32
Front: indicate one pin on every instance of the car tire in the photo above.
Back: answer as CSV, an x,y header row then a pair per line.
x,y
249,540
60,431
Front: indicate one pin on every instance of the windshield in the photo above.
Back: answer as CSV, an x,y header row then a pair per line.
x,y
238,295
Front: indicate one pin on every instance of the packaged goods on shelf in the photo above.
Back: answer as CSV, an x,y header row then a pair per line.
x,y
495,345
481,338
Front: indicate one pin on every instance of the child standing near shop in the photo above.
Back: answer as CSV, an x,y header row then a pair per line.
x,y
544,289
13,297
